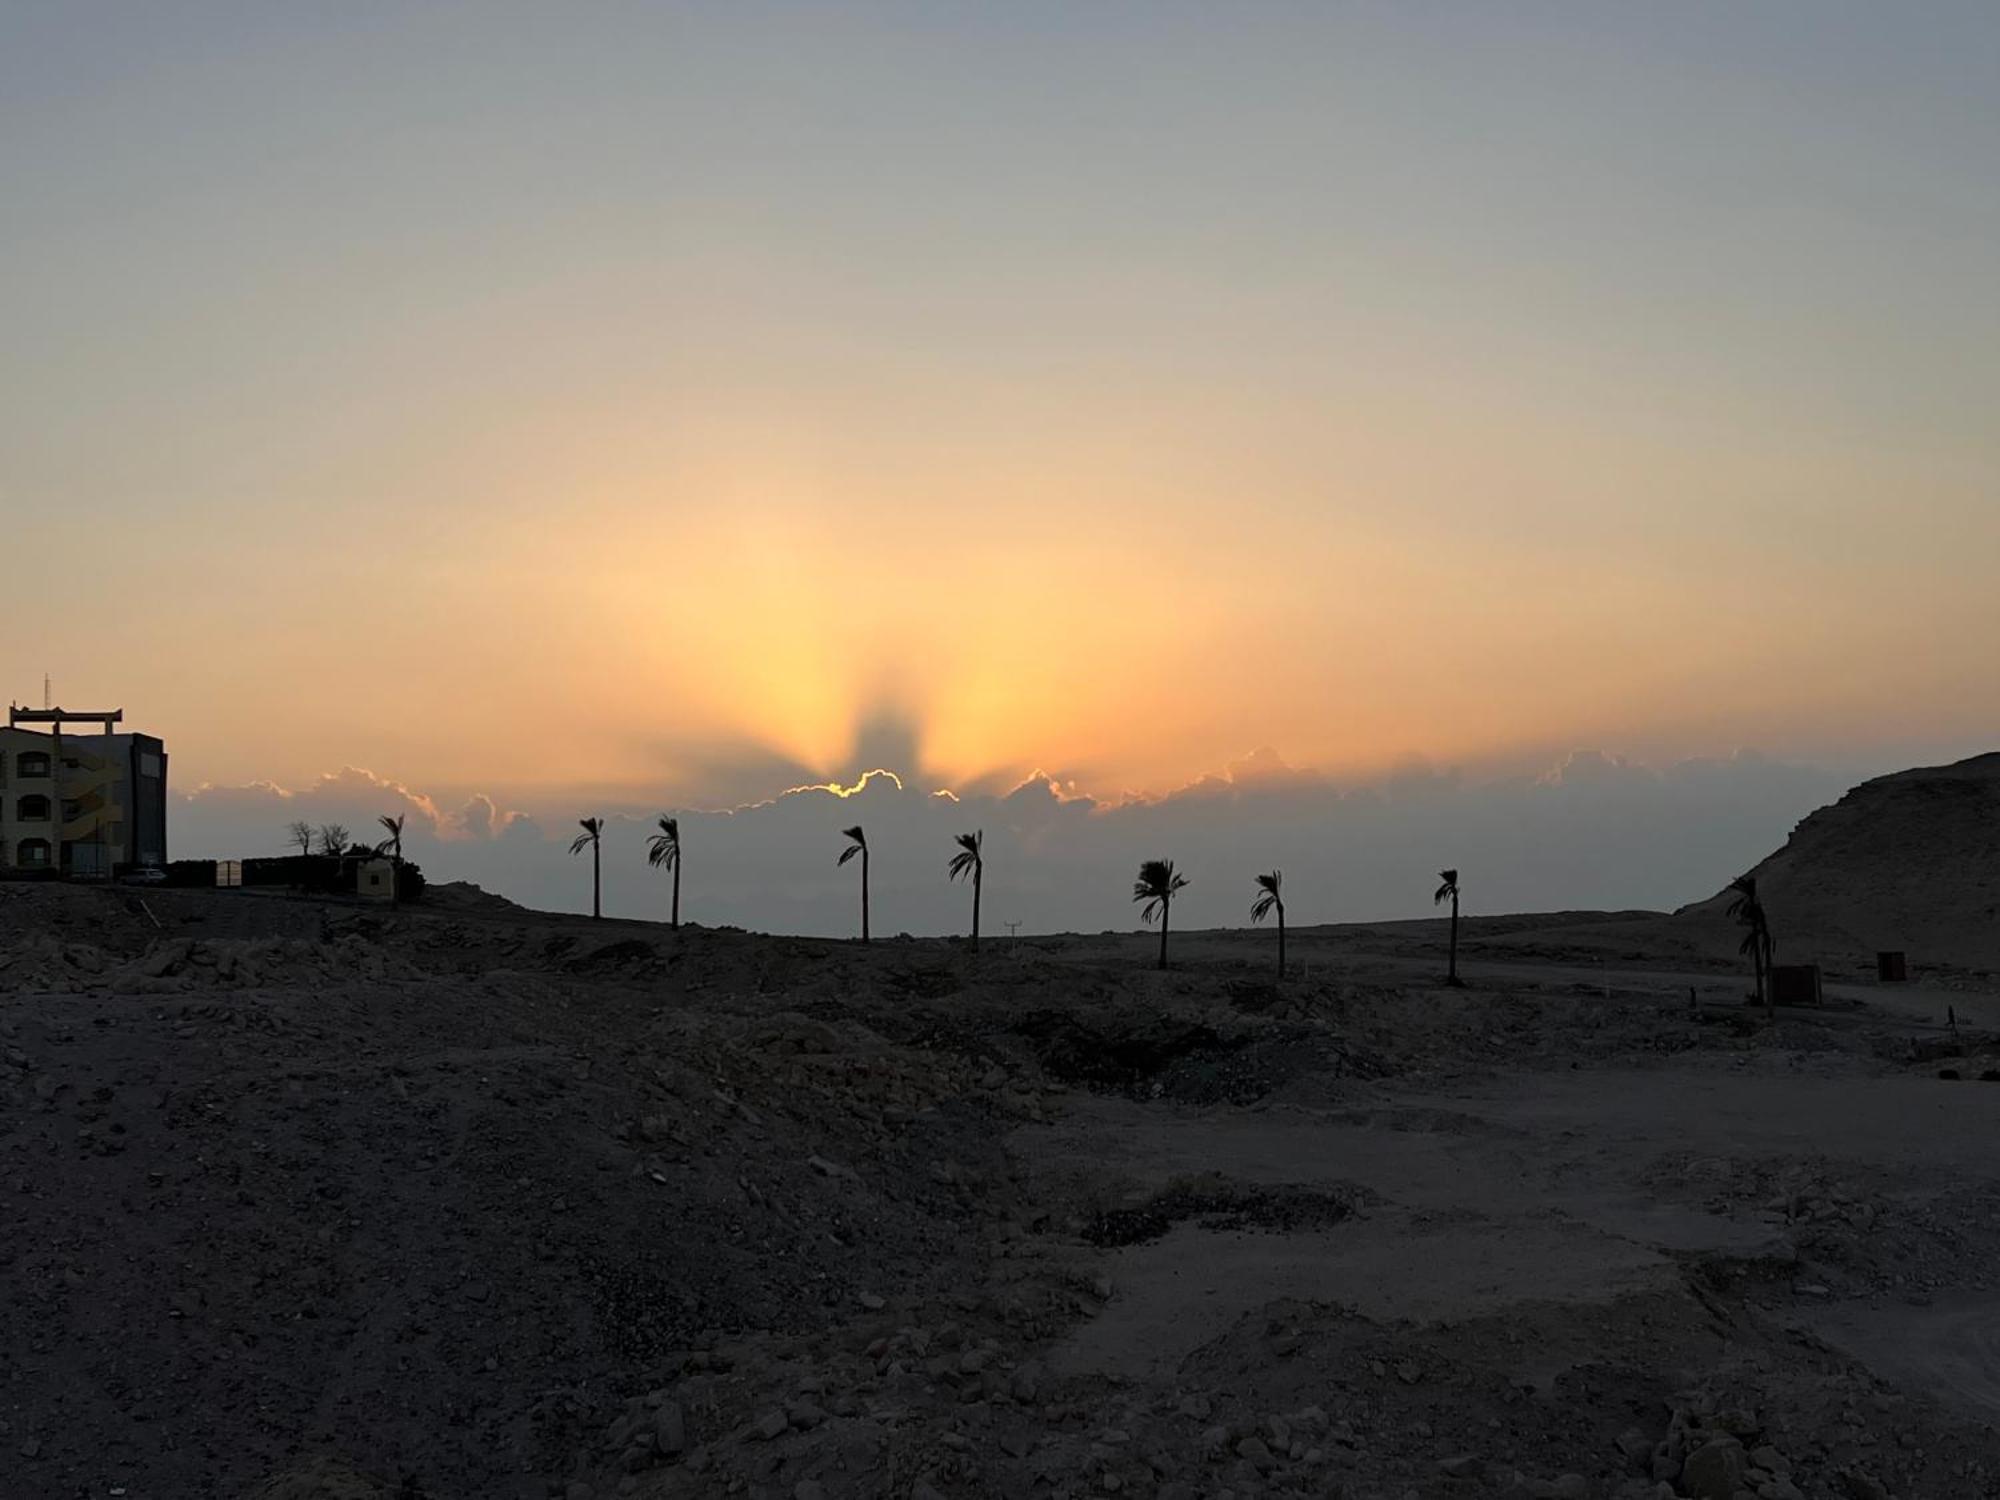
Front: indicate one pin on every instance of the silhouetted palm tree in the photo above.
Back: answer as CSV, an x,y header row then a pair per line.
x,y
1748,911
1157,886
1268,901
393,847
664,848
970,857
1449,887
592,838
858,845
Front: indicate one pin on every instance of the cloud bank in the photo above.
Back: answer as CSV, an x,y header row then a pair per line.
x,y
1593,831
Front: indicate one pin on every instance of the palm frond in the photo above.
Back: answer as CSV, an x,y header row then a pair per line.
x,y
1268,898
1745,902
1447,888
593,829
1157,884
969,858
664,847
394,825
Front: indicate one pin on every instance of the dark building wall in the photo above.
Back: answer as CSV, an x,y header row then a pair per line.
x,y
146,836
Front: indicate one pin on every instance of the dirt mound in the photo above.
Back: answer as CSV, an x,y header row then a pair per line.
x,y
1909,861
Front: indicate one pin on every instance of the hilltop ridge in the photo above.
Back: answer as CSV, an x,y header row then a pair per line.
x,y
1907,861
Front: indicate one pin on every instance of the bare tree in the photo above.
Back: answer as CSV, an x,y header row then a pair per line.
x,y
333,839
300,833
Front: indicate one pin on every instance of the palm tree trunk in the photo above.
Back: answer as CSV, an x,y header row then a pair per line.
x,y
677,893
1281,941
976,875
1166,910
596,882
1451,968
864,895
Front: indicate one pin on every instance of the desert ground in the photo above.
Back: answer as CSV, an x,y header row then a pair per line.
x,y
303,1199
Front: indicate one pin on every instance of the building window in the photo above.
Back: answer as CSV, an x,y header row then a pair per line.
x,y
30,764
32,854
32,810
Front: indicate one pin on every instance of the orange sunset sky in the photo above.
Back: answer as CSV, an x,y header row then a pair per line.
x,y
639,402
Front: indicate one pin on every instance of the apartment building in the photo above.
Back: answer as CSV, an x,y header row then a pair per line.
x,y
81,803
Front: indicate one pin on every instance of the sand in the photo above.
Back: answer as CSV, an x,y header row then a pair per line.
x,y
310,1200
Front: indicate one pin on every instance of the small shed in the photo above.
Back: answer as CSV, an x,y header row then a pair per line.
x,y
1795,984
375,880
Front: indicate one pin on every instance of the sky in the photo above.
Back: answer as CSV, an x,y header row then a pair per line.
x,y
608,409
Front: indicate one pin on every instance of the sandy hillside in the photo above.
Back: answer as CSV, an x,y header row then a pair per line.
x,y
308,1201
1909,861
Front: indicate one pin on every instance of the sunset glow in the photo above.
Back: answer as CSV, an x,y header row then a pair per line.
x,y
1052,418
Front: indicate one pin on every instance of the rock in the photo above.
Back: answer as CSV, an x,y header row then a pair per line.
x,y
1459,1466
1860,1486
1254,1450
808,1489
775,1424
1637,1448
1570,1487
871,1302
1714,1471
670,1428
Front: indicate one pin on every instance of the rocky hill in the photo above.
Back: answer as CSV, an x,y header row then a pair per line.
x,y
1909,861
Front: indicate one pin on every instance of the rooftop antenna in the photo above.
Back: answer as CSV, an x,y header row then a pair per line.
x,y
45,692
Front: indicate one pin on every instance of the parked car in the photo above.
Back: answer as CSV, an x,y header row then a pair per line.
x,y
146,875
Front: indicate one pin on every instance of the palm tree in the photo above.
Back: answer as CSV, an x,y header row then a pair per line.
x,y
1157,886
1449,887
1748,912
1268,901
858,845
664,848
393,847
592,838
970,856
